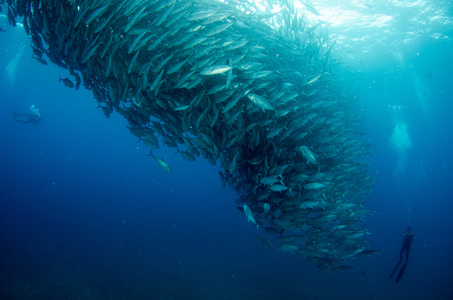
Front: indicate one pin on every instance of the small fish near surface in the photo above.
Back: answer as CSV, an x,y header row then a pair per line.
x,y
11,17
67,82
40,60
314,79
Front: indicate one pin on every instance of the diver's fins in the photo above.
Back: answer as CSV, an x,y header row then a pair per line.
x,y
401,273
396,267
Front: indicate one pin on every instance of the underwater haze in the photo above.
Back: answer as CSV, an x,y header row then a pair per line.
x,y
85,213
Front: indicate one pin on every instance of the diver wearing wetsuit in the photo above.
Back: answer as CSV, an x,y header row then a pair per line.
x,y
408,237
34,117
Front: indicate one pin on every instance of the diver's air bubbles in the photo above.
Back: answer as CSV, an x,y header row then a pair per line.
x,y
11,68
401,142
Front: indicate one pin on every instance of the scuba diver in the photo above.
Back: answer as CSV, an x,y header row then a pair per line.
x,y
408,237
34,117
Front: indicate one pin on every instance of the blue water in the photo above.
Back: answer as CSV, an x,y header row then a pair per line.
x,y
85,214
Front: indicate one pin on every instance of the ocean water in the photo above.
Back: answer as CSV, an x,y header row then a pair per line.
x,y
86,214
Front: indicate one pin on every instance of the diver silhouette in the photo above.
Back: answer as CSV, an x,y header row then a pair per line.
x,y
408,237
34,117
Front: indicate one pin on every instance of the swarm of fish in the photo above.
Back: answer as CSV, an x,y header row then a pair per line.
x,y
252,90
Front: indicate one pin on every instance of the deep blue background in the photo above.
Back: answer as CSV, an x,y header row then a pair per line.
x,y
85,214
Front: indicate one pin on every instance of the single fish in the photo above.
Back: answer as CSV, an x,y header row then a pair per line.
x,y
249,214
260,101
161,163
213,70
67,82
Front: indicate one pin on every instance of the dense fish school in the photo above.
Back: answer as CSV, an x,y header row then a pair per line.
x,y
252,90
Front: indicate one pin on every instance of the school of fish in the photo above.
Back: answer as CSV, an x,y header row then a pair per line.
x,y
252,90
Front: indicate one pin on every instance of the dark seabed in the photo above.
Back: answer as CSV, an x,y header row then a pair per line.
x,y
86,214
